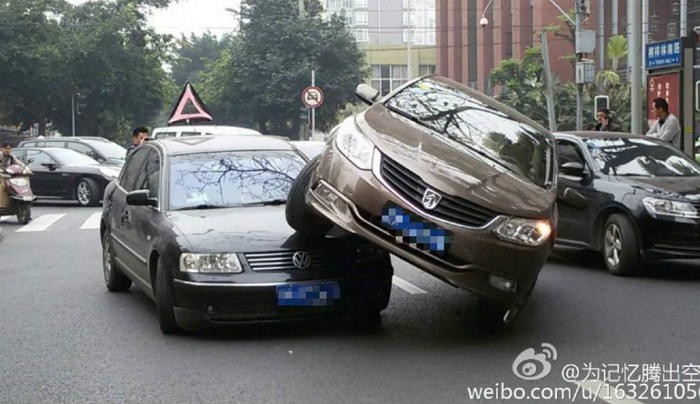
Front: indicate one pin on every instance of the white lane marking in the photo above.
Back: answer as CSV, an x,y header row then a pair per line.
x,y
41,223
407,286
605,392
92,222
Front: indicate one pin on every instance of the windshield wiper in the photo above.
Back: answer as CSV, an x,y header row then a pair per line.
x,y
272,202
203,206
406,115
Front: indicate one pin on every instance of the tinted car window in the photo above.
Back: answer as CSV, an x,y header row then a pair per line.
x,y
232,179
640,157
191,134
150,174
81,148
568,152
72,157
163,135
453,113
35,159
132,169
106,149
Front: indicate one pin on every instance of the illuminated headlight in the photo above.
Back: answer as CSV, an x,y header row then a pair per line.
x,y
109,172
210,263
354,145
19,182
524,231
665,207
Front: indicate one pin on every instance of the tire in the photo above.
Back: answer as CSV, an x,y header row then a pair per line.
x,y
490,316
115,280
24,213
165,301
371,315
87,192
299,216
620,246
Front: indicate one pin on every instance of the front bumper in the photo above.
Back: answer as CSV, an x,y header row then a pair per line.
x,y
666,238
473,256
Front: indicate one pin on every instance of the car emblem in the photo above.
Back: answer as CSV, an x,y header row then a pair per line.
x,y
431,199
301,259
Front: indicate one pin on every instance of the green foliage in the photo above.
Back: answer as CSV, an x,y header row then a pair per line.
x,y
193,54
258,80
617,50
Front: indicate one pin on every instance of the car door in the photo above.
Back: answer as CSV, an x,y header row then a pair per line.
x,y
574,218
120,220
45,180
142,226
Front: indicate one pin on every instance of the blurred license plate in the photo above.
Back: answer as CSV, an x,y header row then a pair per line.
x,y
414,231
308,294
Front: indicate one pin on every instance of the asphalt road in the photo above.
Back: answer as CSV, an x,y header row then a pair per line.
x,y
64,338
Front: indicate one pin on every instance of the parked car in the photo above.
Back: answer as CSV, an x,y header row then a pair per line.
x,y
200,227
200,130
632,198
447,178
66,174
104,151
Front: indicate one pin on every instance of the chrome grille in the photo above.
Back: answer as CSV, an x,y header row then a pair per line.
x,y
282,260
451,208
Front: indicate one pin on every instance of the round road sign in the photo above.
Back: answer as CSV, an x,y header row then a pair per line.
x,y
312,97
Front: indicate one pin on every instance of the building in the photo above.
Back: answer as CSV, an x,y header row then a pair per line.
x,y
467,51
397,36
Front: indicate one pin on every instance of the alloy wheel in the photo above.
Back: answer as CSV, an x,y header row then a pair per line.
x,y
613,245
83,193
107,259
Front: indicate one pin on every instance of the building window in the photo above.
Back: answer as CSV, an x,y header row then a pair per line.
x,y
361,35
408,19
408,35
360,3
425,70
387,78
361,18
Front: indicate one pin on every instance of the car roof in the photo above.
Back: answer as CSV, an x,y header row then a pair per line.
x,y
206,128
71,138
208,144
599,135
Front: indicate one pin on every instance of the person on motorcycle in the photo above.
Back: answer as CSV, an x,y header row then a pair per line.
x,y
6,158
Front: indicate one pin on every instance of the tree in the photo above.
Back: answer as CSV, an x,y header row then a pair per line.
x,y
193,54
259,79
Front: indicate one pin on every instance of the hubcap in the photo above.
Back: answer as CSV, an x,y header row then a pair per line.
x,y
613,245
83,193
107,258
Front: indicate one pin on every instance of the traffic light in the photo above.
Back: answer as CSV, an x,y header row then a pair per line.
x,y
80,102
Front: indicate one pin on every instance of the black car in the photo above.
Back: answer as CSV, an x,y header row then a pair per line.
x,y
630,197
66,174
100,149
199,224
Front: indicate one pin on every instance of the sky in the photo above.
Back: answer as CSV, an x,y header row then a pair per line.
x,y
193,16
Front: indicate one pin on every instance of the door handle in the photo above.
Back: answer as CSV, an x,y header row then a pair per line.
x,y
126,217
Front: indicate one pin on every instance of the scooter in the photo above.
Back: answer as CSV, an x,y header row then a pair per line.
x,y
18,192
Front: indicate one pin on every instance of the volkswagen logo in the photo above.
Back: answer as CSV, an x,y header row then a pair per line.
x,y
430,199
301,259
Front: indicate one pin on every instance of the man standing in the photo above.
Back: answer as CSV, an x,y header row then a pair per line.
x,y
666,127
138,136
604,123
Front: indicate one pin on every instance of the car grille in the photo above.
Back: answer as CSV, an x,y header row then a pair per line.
x,y
282,260
451,208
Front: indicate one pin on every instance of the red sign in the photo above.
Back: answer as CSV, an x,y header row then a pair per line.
x,y
666,86
312,97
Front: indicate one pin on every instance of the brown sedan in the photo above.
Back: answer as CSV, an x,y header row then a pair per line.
x,y
446,178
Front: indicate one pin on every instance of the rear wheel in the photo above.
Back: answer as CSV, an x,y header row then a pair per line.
x,y
24,213
87,192
165,301
620,246
299,216
371,314
115,280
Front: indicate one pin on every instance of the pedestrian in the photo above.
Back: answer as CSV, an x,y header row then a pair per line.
x,y
604,123
138,136
666,127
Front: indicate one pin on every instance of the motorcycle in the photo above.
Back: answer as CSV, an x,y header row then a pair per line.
x,y
18,194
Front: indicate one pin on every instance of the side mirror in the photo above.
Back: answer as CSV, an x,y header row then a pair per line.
x,y
367,93
141,197
573,169
574,198
50,166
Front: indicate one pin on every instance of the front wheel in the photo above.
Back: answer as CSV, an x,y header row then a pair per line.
x,y
24,213
165,301
620,246
299,215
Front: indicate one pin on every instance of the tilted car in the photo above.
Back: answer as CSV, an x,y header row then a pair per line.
x,y
632,198
448,179
66,174
198,223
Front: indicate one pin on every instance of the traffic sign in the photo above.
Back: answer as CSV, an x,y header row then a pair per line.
x,y
312,97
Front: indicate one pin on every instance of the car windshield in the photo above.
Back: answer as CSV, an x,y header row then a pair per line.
x,y
640,157
453,113
228,179
109,150
72,158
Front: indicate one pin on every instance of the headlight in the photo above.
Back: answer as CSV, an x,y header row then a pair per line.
x,y
524,231
665,207
354,145
109,172
19,182
210,263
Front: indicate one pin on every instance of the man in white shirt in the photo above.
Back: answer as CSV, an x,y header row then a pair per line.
x,y
666,127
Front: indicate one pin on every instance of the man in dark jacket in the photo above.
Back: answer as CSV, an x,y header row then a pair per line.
x,y
6,158
138,136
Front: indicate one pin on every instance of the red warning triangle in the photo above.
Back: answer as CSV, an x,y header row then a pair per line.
x,y
189,108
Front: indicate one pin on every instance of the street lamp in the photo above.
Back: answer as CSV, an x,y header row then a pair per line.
x,y
72,111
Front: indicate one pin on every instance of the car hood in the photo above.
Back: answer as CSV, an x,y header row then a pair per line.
x,y
245,229
673,187
453,169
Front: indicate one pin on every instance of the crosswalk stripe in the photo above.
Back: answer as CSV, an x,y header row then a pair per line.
x,y
41,223
92,222
407,286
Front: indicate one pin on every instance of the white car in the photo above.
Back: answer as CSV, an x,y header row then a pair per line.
x,y
200,130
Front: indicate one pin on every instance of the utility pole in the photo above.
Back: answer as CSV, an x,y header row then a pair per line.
x,y
409,39
72,113
579,87
634,16
549,91
313,110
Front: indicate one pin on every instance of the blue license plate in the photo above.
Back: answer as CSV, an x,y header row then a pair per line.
x,y
308,294
415,232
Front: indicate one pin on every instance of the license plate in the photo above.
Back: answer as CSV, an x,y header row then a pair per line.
x,y
308,294
415,232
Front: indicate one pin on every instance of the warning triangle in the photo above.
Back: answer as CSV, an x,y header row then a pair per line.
x,y
189,108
